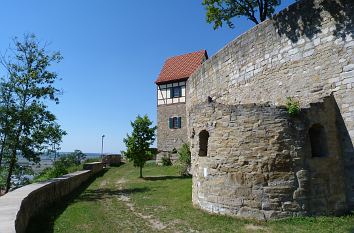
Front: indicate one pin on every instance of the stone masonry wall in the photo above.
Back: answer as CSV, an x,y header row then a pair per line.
x,y
170,139
259,163
19,206
305,52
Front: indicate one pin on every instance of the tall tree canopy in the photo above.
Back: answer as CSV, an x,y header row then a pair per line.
x,y
139,142
27,127
219,11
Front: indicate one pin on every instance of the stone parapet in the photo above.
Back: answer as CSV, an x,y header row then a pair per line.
x,y
18,206
94,167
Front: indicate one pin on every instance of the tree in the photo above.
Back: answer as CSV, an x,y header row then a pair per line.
x,y
139,142
184,160
30,85
6,123
224,10
78,156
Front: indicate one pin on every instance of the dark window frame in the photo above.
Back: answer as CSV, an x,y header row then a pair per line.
x,y
175,92
175,122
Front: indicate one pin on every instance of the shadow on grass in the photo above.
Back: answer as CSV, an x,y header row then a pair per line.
x,y
156,178
44,221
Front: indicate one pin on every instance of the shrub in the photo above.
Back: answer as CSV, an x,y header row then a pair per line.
x,y
292,106
64,165
166,161
75,157
184,160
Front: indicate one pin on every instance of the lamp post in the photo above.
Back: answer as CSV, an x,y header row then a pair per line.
x,y
102,146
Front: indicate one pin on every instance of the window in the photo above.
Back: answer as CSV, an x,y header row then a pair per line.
x,y
318,140
203,143
176,92
175,122
171,93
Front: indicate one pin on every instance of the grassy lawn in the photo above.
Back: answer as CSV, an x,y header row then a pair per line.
x,y
118,201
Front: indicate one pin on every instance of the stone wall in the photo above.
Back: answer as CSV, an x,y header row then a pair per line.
x,y
259,162
18,206
168,139
305,52
112,160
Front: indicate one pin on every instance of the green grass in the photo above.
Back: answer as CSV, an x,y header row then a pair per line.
x,y
119,201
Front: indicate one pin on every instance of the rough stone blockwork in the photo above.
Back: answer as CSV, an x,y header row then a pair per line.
x,y
261,163
168,139
18,206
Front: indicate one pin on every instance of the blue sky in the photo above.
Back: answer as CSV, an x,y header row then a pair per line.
x,y
113,51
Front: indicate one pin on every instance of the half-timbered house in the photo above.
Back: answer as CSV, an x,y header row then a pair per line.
x,y
172,84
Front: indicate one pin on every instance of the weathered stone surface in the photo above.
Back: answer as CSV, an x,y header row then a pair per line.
x,y
268,172
246,212
18,206
259,155
170,140
112,160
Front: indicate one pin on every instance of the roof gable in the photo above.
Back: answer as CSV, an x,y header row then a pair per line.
x,y
181,67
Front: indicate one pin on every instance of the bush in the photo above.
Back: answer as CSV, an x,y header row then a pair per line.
x,y
184,160
166,161
64,165
292,106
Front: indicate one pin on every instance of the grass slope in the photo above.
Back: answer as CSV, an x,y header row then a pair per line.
x,y
118,201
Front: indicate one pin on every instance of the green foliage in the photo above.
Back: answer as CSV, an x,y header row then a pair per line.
x,y
219,11
26,124
139,142
77,156
64,165
166,161
3,174
292,106
184,160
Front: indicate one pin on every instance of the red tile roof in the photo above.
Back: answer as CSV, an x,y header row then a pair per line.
x,y
181,67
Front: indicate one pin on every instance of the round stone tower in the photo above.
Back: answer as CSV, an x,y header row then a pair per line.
x,y
257,161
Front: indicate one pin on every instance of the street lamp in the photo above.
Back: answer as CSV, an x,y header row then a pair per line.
x,y
102,146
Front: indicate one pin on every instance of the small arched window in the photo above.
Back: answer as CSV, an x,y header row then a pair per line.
x,y
203,143
318,138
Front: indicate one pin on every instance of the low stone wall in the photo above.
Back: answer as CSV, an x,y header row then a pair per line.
x,y
112,160
94,167
17,207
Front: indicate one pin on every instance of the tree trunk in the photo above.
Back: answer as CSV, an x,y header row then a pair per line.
x,y
141,172
2,150
11,168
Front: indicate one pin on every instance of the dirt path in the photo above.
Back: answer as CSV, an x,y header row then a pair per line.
x,y
155,224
